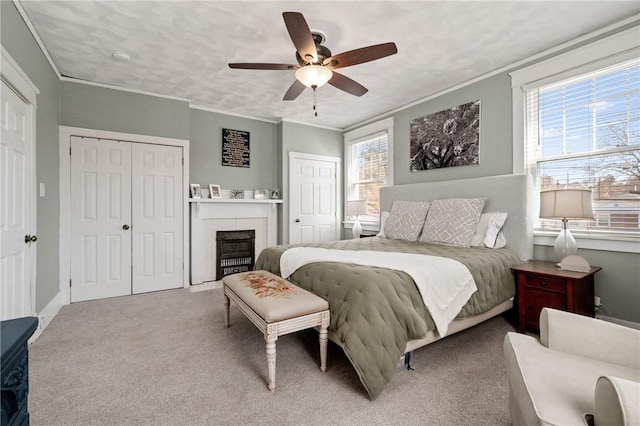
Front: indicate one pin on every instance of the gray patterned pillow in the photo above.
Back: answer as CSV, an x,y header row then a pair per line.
x,y
453,221
406,220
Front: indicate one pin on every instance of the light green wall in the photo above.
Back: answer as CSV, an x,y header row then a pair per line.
x,y
206,152
309,140
17,40
494,94
100,108
80,105
618,284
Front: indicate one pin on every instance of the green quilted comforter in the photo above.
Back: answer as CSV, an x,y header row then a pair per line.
x,y
376,311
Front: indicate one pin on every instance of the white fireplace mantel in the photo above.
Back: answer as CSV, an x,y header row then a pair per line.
x,y
209,215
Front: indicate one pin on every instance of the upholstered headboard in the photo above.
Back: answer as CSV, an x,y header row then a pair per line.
x,y
512,194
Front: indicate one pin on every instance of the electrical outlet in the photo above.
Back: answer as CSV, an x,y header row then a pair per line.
x,y
596,301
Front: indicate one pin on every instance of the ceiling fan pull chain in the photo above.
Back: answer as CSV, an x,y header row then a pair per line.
x,y
315,102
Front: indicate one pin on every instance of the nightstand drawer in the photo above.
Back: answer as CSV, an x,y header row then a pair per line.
x,y
536,300
545,283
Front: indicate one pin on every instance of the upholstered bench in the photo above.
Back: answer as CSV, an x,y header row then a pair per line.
x,y
276,307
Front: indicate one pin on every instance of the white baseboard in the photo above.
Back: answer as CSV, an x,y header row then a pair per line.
x,y
626,323
46,315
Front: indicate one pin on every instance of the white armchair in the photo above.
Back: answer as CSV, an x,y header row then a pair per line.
x,y
583,371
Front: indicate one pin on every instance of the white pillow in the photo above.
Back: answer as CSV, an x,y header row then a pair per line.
x,y
489,232
383,220
406,220
452,221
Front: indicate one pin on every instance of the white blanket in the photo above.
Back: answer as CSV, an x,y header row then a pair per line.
x,y
444,284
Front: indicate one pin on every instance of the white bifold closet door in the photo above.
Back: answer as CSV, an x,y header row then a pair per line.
x,y
157,217
126,218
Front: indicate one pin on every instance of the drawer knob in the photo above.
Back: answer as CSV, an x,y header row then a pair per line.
x,y
543,283
530,306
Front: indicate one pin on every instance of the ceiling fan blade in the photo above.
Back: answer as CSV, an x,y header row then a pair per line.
x,y
301,36
359,56
348,85
257,66
295,90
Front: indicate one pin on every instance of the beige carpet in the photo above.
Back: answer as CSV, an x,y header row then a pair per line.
x,y
165,358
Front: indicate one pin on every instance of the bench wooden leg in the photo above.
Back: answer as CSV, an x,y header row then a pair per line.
x,y
324,326
226,309
271,337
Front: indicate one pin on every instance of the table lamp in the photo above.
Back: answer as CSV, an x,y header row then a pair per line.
x,y
567,204
356,208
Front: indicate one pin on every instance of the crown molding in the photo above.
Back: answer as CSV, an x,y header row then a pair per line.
x,y
550,51
35,35
286,120
219,111
122,89
553,50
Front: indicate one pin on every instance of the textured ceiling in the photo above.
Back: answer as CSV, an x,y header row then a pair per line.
x,y
181,48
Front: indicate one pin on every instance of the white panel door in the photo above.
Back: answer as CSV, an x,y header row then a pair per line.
x,y
15,206
313,200
100,218
157,217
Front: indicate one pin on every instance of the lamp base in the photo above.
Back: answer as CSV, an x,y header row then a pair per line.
x,y
565,245
357,228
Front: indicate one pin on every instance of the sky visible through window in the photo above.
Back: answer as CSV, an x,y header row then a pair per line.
x,y
588,134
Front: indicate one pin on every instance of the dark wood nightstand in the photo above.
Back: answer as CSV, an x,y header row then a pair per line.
x,y
542,284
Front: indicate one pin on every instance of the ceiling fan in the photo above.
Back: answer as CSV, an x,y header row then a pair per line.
x,y
316,64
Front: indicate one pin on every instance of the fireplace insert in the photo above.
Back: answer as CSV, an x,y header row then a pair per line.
x,y
235,252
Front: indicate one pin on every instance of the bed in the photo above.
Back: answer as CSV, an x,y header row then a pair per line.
x,y
378,313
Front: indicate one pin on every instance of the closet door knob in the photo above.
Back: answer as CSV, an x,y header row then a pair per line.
x,y
30,239
125,227
297,220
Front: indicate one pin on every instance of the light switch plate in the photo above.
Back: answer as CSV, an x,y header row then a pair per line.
x,y
41,189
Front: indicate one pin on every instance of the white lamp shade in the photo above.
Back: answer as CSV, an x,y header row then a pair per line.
x,y
566,203
314,75
356,208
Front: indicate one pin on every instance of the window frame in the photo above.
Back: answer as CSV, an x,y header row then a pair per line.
x,y
356,136
603,53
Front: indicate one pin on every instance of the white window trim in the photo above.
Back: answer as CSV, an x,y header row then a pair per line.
x,y
355,136
621,47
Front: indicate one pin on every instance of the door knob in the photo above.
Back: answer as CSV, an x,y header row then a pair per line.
x,y
125,227
30,238
297,220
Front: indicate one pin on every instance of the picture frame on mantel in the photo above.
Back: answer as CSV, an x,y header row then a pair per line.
x,y
237,194
195,190
214,190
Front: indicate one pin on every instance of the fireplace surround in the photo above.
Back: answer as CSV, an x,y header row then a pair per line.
x,y
219,214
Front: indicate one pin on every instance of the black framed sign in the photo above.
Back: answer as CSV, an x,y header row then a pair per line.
x,y
235,148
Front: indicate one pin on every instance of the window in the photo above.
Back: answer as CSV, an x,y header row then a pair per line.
x,y
368,164
584,132
575,123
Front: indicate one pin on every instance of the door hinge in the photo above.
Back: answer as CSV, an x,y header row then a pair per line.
x,y
183,161
69,151
69,283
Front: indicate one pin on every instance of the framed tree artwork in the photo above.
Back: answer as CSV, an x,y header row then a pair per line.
x,y
447,138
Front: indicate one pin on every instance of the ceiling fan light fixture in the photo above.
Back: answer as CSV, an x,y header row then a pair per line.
x,y
314,76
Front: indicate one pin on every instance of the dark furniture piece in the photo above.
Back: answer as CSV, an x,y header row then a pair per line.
x,y
542,284
14,363
235,252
